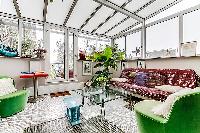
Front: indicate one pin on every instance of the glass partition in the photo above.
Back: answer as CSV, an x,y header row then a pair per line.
x,y
71,56
32,38
133,45
9,32
191,32
57,54
163,39
121,43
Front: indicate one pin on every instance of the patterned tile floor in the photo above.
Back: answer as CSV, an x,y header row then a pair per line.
x,y
47,116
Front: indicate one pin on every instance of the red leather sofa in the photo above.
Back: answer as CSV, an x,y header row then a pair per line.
x,y
156,77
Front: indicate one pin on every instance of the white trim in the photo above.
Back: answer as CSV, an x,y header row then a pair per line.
x,y
180,33
20,36
66,49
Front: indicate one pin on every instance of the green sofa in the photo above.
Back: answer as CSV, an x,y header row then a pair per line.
x,y
184,116
13,103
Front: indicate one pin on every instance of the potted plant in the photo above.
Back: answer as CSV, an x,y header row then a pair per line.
x,y
105,60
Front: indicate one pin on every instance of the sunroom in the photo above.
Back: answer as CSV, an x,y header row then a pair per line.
x,y
99,66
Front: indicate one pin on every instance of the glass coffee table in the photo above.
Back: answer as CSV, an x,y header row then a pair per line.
x,y
99,96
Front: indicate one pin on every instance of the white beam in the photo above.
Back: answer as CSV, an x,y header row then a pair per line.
x,y
143,40
20,36
119,9
75,47
46,37
180,33
66,49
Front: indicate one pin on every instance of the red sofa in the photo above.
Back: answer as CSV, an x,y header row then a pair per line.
x,y
156,77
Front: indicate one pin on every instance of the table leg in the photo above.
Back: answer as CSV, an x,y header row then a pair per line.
x,y
35,86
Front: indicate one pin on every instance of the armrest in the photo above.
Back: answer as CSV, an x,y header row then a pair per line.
x,y
144,108
14,94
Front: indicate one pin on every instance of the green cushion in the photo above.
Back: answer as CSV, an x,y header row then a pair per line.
x,y
13,103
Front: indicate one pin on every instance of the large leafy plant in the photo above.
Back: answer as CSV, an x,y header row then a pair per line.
x,y
105,59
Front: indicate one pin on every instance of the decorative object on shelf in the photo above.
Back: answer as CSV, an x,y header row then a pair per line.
x,y
162,53
106,59
40,53
82,55
8,51
141,64
87,68
188,49
124,64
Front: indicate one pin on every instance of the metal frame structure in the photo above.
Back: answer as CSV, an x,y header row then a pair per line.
x,y
109,4
144,26
112,15
119,9
70,11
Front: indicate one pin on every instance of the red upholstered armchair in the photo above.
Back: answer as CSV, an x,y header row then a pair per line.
x,y
175,77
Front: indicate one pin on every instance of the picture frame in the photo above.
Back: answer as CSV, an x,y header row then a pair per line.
x,y
86,68
141,64
124,65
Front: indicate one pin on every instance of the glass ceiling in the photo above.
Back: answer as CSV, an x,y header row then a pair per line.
x,y
90,16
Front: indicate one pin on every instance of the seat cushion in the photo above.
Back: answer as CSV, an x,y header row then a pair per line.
x,y
169,88
6,86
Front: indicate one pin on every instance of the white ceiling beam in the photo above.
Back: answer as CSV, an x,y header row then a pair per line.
x,y
119,9
70,11
45,10
17,8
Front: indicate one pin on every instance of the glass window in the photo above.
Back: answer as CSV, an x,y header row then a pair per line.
x,y
9,33
121,43
133,45
32,38
71,56
89,44
163,39
191,31
57,54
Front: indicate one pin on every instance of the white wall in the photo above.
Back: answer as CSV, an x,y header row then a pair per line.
x,y
13,67
173,63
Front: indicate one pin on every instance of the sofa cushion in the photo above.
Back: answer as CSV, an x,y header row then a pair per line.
x,y
169,88
119,80
170,75
141,79
155,79
185,78
6,86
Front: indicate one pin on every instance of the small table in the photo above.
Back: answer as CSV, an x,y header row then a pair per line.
x,y
35,77
99,96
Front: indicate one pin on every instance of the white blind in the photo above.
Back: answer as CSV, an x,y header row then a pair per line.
x,y
133,41
163,36
191,30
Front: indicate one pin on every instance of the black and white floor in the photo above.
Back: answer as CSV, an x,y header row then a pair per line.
x,y
48,116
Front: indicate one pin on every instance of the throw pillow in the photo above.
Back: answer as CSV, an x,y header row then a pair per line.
x,y
119,79
141,79
132,74
165,108
169,88
6,86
